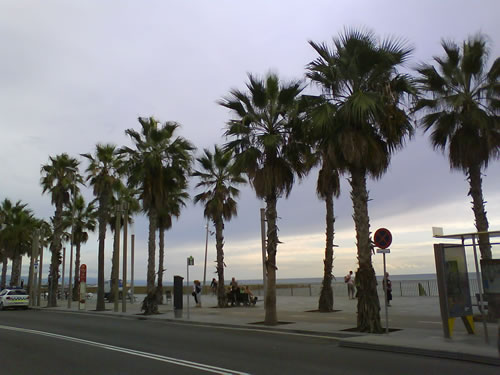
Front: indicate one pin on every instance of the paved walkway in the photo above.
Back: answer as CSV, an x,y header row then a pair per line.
x,y
417,320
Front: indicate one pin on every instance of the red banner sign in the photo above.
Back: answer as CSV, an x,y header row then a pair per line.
x,y
83,273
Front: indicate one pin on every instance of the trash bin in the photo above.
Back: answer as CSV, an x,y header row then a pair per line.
x,y
178,294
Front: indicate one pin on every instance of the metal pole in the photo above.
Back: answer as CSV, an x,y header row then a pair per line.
x,y
116,258
187,282
32,277
124,270
385,295
132,245
263,239
39,287
70,281
63,267
206,250
480,288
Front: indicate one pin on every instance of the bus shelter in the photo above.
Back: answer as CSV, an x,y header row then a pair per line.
x,y
453,281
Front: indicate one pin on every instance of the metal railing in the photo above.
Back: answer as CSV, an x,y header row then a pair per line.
x,y
403,288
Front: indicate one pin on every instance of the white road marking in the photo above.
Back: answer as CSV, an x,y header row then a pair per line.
x,y
157,357
426,321
319,336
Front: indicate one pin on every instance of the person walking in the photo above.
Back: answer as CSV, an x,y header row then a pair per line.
x,y
388,282
197,293
235,291
349,280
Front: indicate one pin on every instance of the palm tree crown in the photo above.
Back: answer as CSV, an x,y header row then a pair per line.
x,y
265,140
218,176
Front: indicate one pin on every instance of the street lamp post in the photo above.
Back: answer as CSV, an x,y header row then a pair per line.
x,y
206,250
116,258
124,270
70,283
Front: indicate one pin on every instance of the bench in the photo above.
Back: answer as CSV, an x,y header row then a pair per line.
x,y
241,299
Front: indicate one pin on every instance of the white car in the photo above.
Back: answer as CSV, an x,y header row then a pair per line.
x,y
14,297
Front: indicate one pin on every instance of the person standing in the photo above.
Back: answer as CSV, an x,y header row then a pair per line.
x,y
213,286
349,280
388,282
235,291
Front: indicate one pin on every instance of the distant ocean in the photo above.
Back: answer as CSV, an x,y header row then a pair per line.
x,y
298,280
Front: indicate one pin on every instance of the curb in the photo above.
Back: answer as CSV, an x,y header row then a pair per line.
x,y
422,352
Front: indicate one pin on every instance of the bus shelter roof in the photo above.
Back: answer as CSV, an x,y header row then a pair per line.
x,y
467,236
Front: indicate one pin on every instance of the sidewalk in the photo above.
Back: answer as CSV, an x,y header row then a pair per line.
x,y
417,320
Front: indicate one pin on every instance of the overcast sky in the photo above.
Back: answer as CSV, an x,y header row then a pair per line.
x,y
73,74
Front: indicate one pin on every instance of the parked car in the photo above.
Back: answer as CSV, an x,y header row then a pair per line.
x,y
14,298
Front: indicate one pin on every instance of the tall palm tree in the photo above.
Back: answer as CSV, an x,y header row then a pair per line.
x,y
81,223
218,176
319,134
176,199
122,196
103,173
59,177
359,78
156,154
328,188
462,100
267,146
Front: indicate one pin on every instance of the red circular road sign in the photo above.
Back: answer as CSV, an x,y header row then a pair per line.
x,y
382,238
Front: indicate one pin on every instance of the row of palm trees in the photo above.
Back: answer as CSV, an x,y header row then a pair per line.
x,y
363,113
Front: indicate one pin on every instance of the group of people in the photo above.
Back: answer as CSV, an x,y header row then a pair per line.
x,y
351,289
234,292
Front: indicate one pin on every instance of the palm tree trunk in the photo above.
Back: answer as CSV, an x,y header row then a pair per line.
x,y
161,256
326,295
219,244
476,191
150,304
55,261
76,286
366,283
271,317
15,276
114,264
4,272
103,221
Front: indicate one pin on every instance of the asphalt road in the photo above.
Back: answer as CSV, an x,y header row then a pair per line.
x,y
47,342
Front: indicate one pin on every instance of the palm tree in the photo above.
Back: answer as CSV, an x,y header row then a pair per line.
x,y
268,148
462,100
16,235
156,154
59,177
171,208
328,187
83,221
319,134
218,176
103,173
359,78
122,196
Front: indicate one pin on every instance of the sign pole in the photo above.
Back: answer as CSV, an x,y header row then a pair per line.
x,y
187,283
385,295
